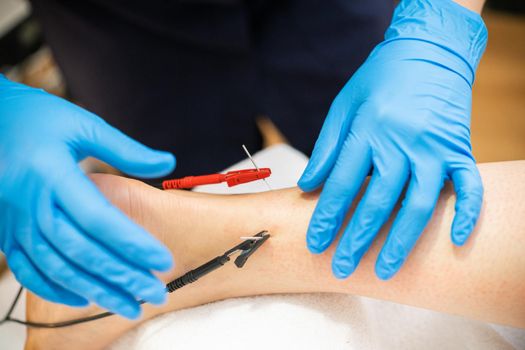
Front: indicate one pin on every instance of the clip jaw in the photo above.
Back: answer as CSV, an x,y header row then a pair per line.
x,y
247,248
234,178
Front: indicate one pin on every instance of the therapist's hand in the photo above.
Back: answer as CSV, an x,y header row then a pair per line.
x,y
62,239
406,113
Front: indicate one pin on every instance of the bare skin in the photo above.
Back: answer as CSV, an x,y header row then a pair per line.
x,y
482,280
473,5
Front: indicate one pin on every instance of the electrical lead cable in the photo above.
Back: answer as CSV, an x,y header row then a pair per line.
x,y
246,249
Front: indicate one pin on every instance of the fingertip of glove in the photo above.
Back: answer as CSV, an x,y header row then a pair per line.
x,y
314,244
461,230
129,311
166,157
149,165
314,249
342,268
165,264
458,243
155,295
161,261
384,272
340,275
165,162
307,182
303,184
306,186
459,238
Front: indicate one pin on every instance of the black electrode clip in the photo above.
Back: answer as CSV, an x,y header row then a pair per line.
x,y
248,247
245,249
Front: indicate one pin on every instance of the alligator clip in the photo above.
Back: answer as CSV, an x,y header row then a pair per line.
x,y
232,178
248,247
245,250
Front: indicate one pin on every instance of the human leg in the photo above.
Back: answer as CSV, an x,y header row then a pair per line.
x,y
482,280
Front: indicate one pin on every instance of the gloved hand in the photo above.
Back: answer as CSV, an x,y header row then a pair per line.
x,y
62,239
406,112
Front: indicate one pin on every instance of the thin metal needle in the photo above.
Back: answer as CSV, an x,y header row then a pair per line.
x,y
250,157
255,165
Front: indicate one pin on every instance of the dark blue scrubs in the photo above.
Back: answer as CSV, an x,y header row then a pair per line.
x,y
191,76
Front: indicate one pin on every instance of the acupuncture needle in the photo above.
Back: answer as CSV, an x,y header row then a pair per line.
x,y
255,165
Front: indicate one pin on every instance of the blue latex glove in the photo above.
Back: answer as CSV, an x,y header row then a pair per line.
x,y
406,112
62,239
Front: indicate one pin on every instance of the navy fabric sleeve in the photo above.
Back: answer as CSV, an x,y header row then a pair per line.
x,y
191,76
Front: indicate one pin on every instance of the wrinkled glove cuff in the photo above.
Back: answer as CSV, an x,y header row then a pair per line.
x,y
443,23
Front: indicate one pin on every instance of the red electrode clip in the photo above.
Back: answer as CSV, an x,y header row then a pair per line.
x,y
232,178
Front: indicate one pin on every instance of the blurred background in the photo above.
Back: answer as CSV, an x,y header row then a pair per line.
x,y
498,116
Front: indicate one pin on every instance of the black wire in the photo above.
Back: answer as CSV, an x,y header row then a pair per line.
x,y
13,304
7,317
246,247
172,286
177,283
